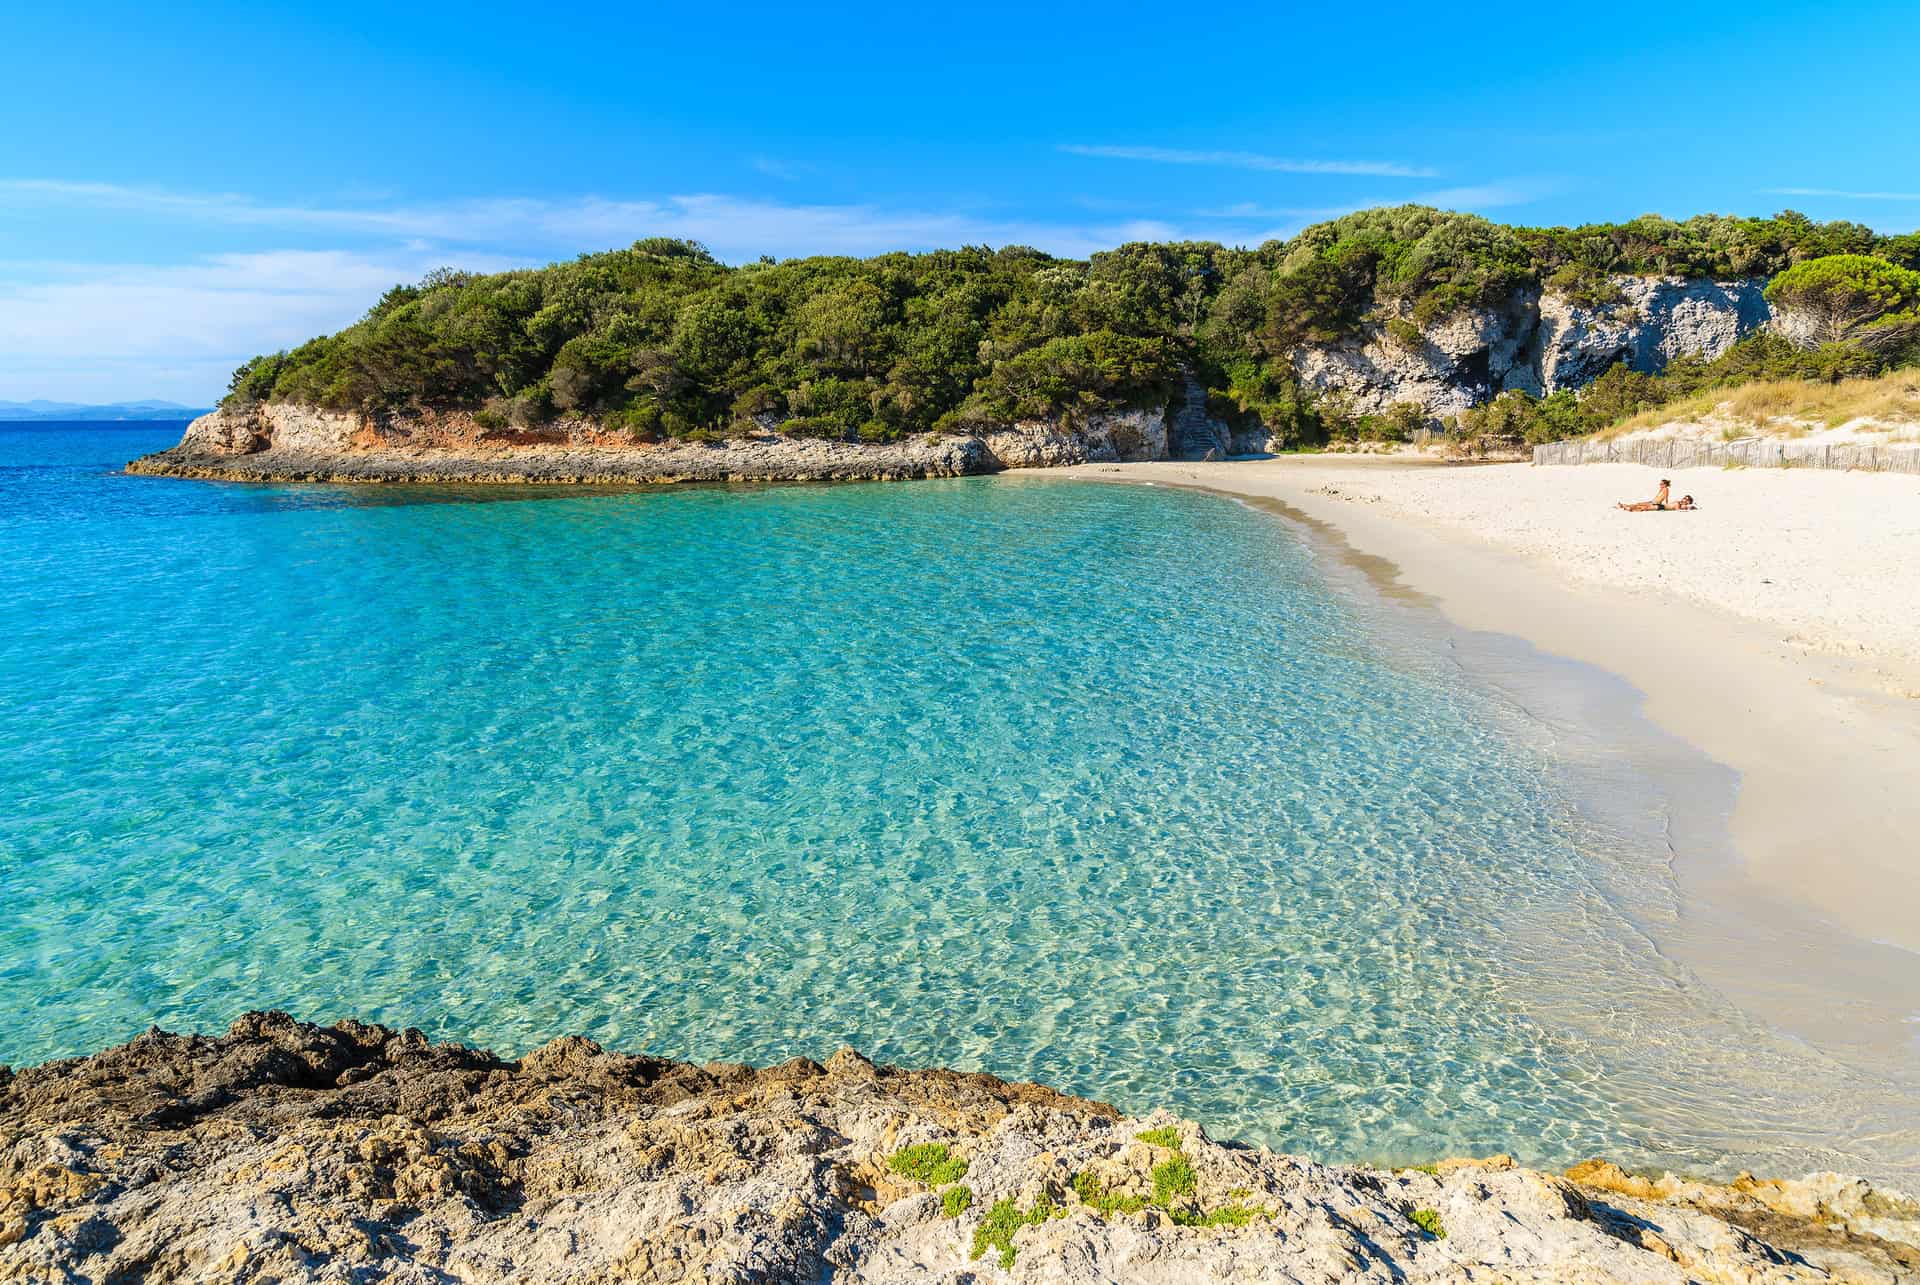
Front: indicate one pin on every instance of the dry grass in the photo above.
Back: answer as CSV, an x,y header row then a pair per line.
x,y
1790,407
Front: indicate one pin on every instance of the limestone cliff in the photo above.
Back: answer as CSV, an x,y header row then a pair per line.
x,y
1538,342
289,1152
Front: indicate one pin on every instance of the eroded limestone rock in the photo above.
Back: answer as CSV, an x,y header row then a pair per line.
x,y
285,1151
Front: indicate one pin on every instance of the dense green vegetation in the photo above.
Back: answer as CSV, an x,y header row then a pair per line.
x,y
663,340
1621,392
1852,299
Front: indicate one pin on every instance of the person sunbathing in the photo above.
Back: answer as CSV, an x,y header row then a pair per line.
x,y
1685,505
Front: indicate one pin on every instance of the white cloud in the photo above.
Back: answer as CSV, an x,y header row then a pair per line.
x,y
101,332
785,171
735,228
1842,195
1249,161
107,332
1291,218
1485,196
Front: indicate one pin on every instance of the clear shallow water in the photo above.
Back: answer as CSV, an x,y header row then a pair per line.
x,y
1101,786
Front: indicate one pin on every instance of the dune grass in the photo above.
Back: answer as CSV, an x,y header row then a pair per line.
x,y
1790,407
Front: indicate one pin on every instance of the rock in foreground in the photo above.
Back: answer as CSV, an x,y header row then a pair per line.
x,y
285,1151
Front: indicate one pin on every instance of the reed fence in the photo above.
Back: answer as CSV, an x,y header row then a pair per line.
x,y
1675,453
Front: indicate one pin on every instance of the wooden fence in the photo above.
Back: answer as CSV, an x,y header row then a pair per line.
x,y
1675,453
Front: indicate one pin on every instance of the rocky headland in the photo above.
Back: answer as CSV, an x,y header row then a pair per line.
x,y
1536,341
285,1151
288,443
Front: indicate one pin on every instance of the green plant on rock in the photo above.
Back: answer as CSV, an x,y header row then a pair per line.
x,y
956,1200
1165,1136
1174,1183
928,1162
1224,1216
1094,1194
1428,1221
1003,1220
1173,1179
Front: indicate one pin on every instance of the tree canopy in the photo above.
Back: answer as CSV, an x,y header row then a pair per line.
x,y
664,340
1851,298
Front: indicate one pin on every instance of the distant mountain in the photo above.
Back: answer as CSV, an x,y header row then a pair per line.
x,y
43,409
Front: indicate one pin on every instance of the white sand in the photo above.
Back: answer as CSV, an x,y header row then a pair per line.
x,y
1777,630
1830,560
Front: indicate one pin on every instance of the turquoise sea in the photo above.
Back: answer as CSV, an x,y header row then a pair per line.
x,y
1128,790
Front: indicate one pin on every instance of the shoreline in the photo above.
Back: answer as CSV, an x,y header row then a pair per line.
x,y
289,1150
1812,920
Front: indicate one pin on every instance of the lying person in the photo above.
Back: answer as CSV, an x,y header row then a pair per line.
x,y
1659,506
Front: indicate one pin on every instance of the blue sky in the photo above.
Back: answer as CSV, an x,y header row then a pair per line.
x,y
182,186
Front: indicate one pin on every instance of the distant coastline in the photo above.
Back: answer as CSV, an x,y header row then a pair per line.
x,y
41,411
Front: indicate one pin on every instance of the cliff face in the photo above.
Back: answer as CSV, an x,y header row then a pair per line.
x,y
284,1152
1536,342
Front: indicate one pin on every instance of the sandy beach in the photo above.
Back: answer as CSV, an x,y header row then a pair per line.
x,y
1815,557
1777,630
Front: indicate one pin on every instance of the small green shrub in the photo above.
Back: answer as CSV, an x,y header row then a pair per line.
x,y
1096,1197
1224,1216
1166,1136
956,1201
1428,1221
1583,284
1004,1219
1172,1179
929,1162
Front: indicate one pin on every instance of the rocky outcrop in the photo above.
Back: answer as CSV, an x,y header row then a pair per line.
x,y
1110,437
1655,320
1449,367
289,443
288,1152
1538,343
745,459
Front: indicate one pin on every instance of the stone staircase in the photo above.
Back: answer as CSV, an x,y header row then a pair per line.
x,y
1191,433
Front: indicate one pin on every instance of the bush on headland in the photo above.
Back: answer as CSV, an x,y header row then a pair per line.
x,y
663,340
1621,394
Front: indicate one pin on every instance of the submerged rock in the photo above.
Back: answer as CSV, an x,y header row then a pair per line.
x,y
286,1151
